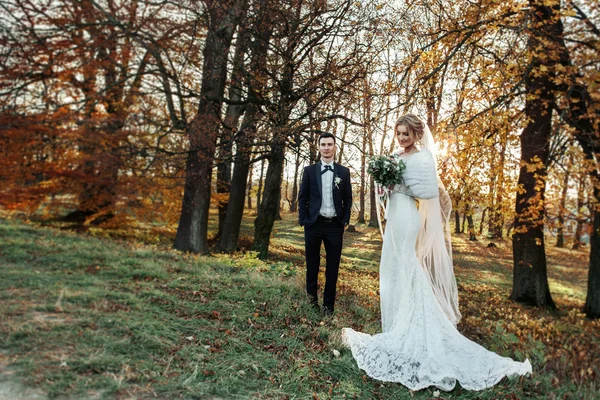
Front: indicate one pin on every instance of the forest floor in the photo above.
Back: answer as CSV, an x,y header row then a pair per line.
x,y
120,315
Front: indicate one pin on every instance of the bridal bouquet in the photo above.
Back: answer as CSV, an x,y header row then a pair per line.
x,y
386,170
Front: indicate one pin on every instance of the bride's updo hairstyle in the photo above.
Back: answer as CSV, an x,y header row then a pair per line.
x,y
414,125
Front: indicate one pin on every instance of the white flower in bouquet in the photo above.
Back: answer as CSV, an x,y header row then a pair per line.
x,y
386,170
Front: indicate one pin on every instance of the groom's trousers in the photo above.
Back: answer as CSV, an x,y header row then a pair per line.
x,y
330,232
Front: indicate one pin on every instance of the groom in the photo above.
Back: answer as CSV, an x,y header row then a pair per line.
x,y
325,200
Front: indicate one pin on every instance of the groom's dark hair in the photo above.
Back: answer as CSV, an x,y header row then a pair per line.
x,y
326,135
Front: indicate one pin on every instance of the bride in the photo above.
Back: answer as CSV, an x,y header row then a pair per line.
x,y
420,345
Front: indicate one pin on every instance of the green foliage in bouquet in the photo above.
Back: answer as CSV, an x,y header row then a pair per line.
x,y
386,170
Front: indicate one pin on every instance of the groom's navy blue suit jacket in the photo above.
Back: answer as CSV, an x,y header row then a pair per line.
x,y
310,196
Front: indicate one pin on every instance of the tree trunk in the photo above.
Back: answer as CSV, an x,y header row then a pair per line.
x,y
230,127
223,180
286,188
530,278
586,137
456,222
580,219
482,221
560,233
192,231
373,222
592,301
498,220
498,223
342,142
579,117
261,179
278,213
249,189
313,146
373,206
493,187
471,225
362,187
269,207
294,202
228,241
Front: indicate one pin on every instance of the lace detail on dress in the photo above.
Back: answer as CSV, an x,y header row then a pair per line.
x,y
402,188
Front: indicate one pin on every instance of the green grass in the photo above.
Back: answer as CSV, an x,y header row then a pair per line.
x,y
93,317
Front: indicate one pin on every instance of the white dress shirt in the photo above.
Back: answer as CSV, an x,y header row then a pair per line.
x,y
327,207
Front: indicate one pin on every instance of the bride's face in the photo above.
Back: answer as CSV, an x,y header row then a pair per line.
x,y
404,138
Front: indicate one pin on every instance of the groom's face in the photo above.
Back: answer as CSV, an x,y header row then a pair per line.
x,y
327,147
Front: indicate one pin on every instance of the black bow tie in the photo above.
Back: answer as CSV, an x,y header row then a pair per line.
x,y
326,168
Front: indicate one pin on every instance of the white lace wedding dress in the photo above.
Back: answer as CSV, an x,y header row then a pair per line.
x,y
419,345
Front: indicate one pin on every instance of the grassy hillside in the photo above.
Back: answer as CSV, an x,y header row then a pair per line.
x,y
87,316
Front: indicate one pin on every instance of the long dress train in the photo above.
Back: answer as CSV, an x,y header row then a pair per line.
x,y
419,345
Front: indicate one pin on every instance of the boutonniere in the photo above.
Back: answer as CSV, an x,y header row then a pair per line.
x,y
337,181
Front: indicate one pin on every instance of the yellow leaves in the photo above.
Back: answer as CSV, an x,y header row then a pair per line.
x,y
550,3
220,197
530,332
569,12
535,164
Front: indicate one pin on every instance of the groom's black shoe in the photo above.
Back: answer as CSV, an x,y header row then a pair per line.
x,y
327,311
314,303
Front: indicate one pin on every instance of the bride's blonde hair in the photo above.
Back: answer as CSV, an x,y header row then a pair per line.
x,y
414,125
